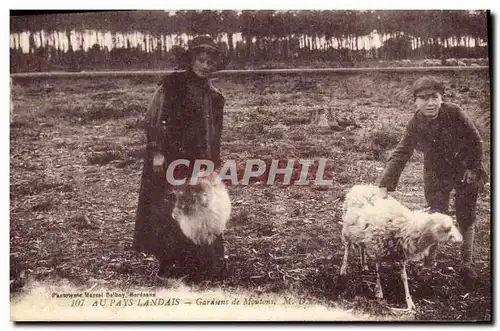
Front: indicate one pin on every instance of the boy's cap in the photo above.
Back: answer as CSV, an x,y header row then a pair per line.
x,y
429,84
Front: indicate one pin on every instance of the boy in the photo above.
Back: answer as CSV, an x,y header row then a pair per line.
x,y
453,151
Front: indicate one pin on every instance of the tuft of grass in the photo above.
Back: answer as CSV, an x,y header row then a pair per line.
x,y
305,85
254,127
102,158
37,187
379,142
42,206
290,121
96,112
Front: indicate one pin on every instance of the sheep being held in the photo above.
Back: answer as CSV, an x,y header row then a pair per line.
x,y
202,210
192,234
389,231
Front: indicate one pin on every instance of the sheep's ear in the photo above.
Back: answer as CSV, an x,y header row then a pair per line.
x,y
447,228
426,238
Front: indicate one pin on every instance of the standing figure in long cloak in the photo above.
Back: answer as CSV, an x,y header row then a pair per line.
x,y
184,121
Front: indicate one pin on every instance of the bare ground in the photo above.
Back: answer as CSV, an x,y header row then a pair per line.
x,y
76,165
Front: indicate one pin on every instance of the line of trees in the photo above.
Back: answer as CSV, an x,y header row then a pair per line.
x,y
255,37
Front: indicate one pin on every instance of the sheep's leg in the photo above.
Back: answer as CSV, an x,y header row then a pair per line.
x,y
378,288
363,257
343,269
404,277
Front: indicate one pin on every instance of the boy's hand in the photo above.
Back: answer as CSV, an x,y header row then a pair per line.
x,y
383,192
158,161
470,177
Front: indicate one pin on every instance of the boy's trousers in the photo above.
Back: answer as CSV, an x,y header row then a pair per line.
x,y
437,193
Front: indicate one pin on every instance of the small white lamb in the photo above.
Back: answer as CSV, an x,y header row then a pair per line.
x,y
390,231
202,210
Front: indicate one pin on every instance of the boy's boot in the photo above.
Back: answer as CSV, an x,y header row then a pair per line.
x,y
468,273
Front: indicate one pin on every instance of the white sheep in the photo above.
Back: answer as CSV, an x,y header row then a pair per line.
x,y
190,238
202,210
389,231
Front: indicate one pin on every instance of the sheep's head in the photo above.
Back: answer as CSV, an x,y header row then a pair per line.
x,y
200,195
443,228
201,210
188,197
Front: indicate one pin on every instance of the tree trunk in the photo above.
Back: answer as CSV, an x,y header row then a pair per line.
x,y
159,46
82,42
248,44
287,48
15,42
31,41
467,46
258,47
230,44
41,39
441,48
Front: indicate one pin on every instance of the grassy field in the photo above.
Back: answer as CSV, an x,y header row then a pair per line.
x,y
76,158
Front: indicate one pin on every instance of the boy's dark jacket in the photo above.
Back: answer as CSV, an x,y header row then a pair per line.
x,y
450,143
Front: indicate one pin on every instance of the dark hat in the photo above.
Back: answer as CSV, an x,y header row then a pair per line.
x,y
203,43
429,83
206,44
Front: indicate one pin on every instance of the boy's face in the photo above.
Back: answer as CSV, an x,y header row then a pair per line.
x,y
204,64
428,103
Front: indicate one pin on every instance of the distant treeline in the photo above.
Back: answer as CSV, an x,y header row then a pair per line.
x,y
251,38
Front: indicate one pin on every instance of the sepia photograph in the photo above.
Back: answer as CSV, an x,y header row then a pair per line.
x,y
251,166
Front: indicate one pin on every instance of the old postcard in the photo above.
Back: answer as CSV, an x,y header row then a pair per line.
x,y
250,165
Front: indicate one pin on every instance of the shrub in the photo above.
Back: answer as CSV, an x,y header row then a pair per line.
x,y
379,142
103,157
